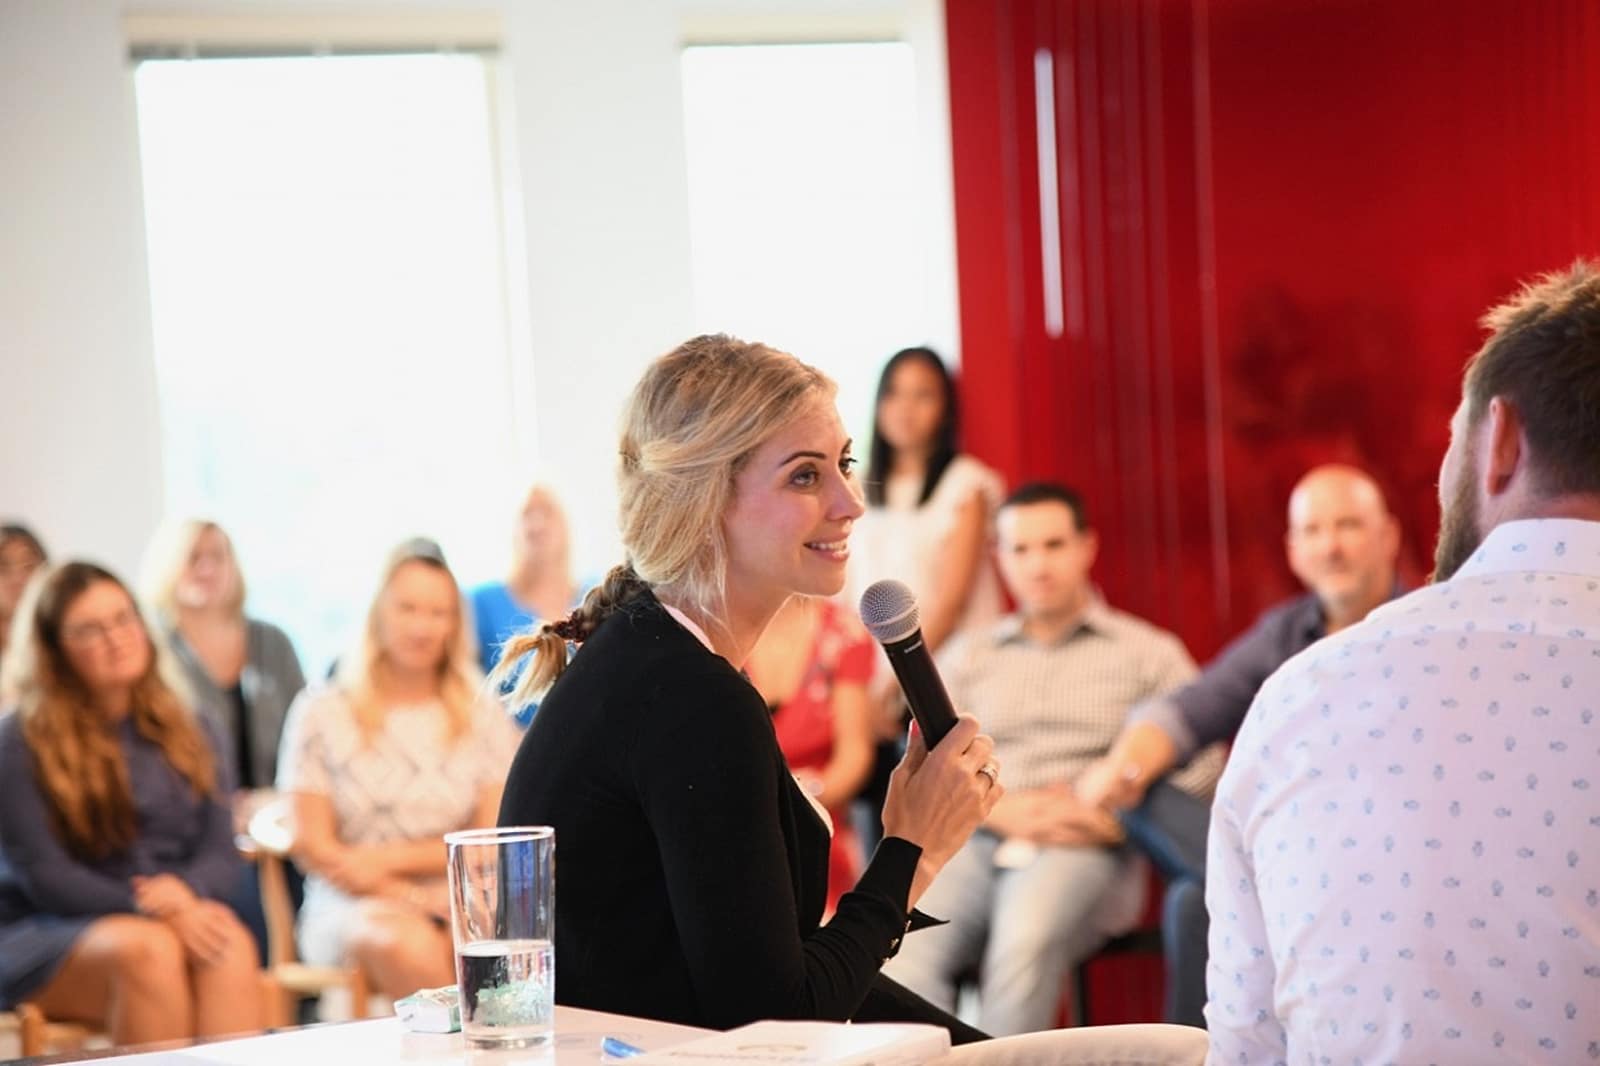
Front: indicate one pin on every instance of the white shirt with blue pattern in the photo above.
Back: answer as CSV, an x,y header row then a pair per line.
x,y
1404,861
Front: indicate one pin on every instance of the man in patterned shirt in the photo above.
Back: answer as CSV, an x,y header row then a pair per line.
x,y
1052,684
1402,856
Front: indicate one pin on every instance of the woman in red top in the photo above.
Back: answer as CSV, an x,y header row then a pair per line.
x,y
813,666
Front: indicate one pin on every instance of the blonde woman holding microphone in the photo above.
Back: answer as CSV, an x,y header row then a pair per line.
x,y
693,869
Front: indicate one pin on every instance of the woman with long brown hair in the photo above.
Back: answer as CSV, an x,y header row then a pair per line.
x,y
116,840
401,749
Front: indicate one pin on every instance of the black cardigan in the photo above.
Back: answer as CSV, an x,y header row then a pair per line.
x,y
691,871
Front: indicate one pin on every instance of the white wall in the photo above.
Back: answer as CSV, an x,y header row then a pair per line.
x,y
80,457
599,278
599,129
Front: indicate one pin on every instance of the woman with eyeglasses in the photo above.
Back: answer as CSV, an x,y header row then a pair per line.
x,y
116,838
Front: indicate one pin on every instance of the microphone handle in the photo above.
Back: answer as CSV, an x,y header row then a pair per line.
x,y
924,691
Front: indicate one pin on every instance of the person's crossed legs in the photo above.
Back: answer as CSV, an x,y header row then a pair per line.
x,y
1025,928
932,961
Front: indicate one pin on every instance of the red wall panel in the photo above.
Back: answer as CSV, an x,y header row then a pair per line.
x,y
1278,225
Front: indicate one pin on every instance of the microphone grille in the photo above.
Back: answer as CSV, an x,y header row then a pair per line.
x,y
889,611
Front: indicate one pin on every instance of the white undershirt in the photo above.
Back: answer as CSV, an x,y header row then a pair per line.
x,y
686,622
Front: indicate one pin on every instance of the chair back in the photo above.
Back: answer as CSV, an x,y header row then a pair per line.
x,y
38,1035
271,838
271,831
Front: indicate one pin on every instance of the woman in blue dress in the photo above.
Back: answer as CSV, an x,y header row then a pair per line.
x,y
538,588
116,839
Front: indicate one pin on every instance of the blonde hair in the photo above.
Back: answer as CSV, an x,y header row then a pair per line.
x,y
167,558
688,428
360,673
77,758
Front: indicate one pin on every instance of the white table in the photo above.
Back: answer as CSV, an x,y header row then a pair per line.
x,y
385,1040
578,1034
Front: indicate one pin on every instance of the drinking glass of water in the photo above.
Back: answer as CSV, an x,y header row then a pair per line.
x,y
502,919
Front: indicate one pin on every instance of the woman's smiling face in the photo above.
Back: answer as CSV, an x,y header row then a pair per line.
x,y
794,502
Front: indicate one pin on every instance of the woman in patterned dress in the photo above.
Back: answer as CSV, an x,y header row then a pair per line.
x,y
400,749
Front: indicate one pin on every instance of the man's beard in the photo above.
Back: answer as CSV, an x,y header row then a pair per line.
x,y
1459,535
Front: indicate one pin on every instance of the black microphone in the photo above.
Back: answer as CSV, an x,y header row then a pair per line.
x,y
889,611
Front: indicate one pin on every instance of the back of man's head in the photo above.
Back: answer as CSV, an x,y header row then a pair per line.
x,y
1543,357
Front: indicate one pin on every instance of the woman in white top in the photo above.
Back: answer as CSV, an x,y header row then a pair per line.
x,y
929,506
927,522
400,750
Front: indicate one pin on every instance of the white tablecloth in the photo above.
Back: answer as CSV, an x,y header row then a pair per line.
x,y
385,1040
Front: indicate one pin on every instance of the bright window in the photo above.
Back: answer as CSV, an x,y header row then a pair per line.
x,y
810,207
330,322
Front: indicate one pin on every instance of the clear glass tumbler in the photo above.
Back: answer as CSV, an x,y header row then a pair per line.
x,y
502,919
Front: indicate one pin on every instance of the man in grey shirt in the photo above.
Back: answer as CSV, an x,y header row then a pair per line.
x,y
1032,892
1342,543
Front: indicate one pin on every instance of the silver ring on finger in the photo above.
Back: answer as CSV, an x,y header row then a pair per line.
x,y
991,771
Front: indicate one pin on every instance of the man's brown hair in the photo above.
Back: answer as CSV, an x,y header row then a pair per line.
x,y
1543,356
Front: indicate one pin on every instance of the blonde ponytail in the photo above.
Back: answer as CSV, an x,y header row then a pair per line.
x,y
548,643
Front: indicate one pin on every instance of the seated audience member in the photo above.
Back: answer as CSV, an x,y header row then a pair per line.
x,y
116,841
812,665
540,584
1052,683
1402,849
399,750
242,670
1342,543
21,555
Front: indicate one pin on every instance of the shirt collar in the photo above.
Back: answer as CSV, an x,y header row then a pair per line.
x,y
1096,617
1550,545
687,623
1311,618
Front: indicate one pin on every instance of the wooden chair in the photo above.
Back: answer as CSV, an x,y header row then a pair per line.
x,y
288,980
38,1035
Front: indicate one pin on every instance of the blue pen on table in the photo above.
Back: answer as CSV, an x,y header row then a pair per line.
x,y
611,1048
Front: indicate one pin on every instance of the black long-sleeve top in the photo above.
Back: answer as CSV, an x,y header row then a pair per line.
x,y
691,871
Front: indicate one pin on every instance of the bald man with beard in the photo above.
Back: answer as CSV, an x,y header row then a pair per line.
x,y
1342,544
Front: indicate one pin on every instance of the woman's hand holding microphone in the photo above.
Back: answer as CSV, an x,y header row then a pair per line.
x,y
937,798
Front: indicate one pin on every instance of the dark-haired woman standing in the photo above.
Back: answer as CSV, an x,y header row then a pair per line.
x,y
929,505
927,521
